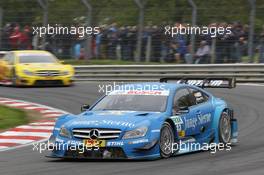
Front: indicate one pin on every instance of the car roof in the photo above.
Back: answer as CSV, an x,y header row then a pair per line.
x,y
30,51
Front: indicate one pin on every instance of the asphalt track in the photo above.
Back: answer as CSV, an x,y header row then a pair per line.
x,y
247,157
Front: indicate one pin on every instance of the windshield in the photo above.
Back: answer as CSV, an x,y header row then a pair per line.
x,y
133,102
36,58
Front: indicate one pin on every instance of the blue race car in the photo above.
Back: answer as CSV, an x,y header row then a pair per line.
x,y
148,121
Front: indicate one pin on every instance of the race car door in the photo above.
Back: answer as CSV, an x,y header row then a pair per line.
x,y
200,112
181,112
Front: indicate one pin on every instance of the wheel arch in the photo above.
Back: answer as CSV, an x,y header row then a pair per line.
x,y
173,127
217,114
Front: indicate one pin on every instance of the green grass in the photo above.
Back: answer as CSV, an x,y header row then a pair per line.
x,y
10,117
245,59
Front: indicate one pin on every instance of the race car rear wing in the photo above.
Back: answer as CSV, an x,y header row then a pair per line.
x,y
203,82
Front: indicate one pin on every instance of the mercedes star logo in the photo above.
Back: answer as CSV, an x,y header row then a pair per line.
x,y
94,134
49,74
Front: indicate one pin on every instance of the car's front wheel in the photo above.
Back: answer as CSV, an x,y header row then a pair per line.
x,y
166,140
225,128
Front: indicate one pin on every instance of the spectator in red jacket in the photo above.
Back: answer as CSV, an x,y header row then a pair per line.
x,y
15,38
25,39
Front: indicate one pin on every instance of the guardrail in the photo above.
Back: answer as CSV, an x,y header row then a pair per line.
x,y
243,73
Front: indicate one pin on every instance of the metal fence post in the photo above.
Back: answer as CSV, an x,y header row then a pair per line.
x,y
88,42
141,6
194,19
1,25
251,30
44,5
148,49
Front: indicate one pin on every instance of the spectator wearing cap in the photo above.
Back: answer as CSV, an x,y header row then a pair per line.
x,y
202,54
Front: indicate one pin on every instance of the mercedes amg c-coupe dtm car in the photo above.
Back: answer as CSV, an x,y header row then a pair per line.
x,y
34,68
156,121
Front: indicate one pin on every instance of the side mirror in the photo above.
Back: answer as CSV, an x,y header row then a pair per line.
x,y
183,110
85,107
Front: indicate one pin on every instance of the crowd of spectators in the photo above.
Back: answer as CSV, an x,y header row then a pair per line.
x,y
16,38
115,42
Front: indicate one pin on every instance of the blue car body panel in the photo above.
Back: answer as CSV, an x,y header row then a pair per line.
x,y
187,127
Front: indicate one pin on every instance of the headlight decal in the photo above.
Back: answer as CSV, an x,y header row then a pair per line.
x,y
27,72
136,133
65,132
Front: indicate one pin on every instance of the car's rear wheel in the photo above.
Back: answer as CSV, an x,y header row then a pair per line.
x,y
166,140
225,128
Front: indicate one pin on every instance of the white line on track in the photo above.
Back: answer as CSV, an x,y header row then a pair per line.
x,y
15,133
42,123
17,104
52,115
49,111
19,141
36,127
32,107
3,147
6,101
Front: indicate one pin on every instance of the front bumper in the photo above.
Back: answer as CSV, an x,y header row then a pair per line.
x,y
44,81
140,148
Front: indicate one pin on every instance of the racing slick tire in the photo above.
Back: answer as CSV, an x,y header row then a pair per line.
x,y
166,140
225,133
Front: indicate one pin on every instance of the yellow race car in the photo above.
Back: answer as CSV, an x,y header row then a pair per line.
x,y
34,68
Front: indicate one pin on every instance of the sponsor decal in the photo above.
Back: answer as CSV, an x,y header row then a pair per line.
x,y
90,143
200,120
115,143
204,118
181,133
138,141
104,122
214,83
119,123
177,121
114,112
74,142
191,123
